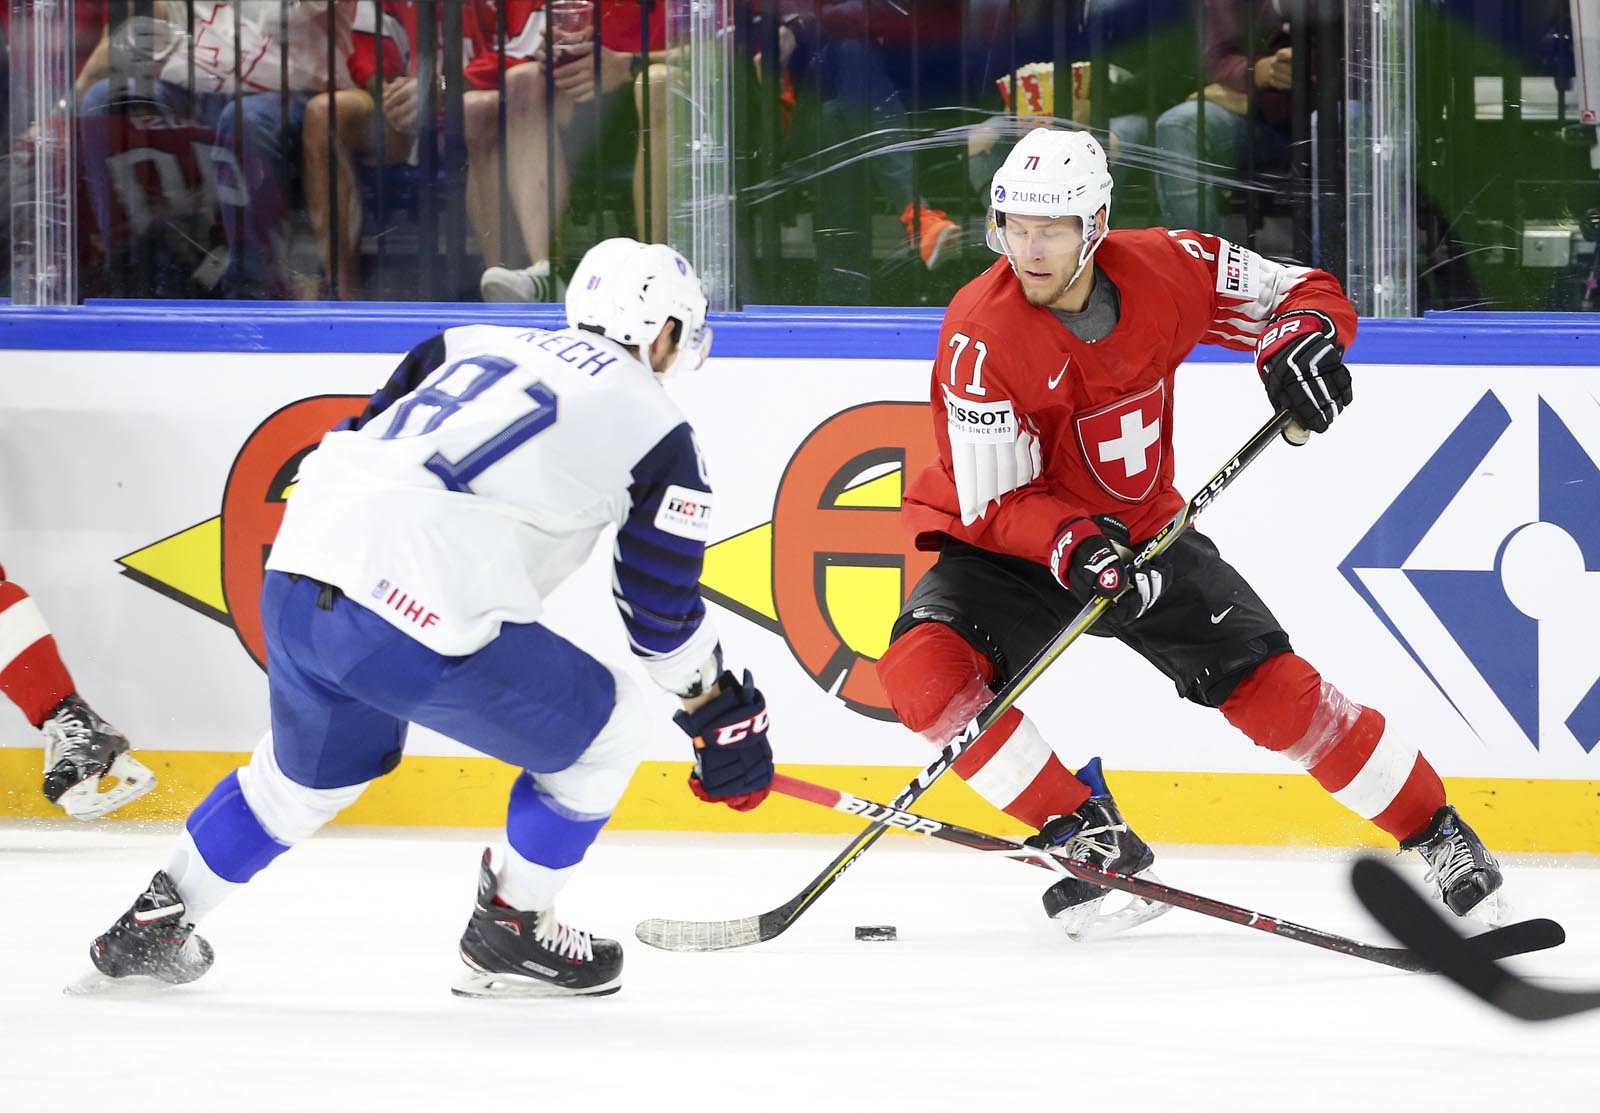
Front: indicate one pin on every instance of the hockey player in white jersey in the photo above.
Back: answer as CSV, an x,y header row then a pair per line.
x,y
406,586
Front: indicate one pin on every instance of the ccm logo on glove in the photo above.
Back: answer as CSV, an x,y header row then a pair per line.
x,y
732,757
738,732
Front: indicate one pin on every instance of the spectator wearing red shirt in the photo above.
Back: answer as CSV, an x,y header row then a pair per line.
x,y
532,181
390,80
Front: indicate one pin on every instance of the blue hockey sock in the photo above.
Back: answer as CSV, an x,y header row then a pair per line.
x,y
229,836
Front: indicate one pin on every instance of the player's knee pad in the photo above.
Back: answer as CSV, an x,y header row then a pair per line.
x,y
592,785
935,680
1236,666
1285,706
289,811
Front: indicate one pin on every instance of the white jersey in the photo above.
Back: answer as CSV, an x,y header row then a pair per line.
x,y
269,34
481,476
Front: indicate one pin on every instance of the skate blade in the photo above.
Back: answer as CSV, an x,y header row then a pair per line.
x,y
1100,919
126,781
1491,912
96,984
512,986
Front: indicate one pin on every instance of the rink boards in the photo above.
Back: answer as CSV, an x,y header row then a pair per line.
x,y
1437,557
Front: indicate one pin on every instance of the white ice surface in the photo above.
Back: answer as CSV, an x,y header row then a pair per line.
x,y
330,990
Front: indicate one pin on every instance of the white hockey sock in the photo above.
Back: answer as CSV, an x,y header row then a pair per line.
x,y
526,885
198,884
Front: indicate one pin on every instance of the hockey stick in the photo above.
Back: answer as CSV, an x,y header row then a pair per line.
x,y
1513,939
1410,919
717,935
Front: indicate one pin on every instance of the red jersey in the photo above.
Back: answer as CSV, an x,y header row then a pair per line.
x,y
1036,427
619,30
399,37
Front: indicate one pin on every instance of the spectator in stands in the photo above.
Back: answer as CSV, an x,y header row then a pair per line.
x,y
1246,102
179,65
537,183
388,82
836,55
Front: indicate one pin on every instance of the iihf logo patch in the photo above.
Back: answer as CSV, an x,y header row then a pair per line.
x,y
381,590
1485,566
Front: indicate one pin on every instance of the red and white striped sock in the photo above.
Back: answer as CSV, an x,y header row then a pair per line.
x,y
1014,768
32,674
936,683
1285,706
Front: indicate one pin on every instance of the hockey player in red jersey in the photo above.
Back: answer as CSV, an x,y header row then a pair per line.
x,y
82,752
1052,404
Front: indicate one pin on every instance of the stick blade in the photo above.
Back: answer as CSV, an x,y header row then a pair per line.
x,y
1410,918
700,935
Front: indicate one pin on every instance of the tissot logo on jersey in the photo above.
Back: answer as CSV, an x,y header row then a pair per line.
x,y
685,512
980,422
1237,272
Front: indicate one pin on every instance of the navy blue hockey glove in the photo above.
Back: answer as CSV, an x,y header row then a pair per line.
x,y
1302,367
732,757
1091,558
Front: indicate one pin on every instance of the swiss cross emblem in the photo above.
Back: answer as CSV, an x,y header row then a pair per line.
x,y
1122,442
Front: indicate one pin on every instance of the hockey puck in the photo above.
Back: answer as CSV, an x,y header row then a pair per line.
x,y
876,932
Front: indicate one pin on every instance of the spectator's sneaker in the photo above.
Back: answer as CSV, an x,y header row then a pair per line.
x,y
87,768
534,283
931,234
1460,868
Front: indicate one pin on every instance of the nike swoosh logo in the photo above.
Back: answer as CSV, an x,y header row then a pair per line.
x,y
1216,618
1060,373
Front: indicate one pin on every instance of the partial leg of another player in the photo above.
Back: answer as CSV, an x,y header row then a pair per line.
x,y
344,686
1215,638
940,671
88,770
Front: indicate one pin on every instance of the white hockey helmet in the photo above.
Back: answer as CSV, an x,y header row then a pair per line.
x,y
1052,172
627,290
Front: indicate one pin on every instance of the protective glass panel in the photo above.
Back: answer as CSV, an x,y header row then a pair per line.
x,y
1508,174
1432,155
865,167
292,149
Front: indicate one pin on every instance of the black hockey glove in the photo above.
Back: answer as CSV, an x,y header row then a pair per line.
x,y
1091,559
1302,367
732,757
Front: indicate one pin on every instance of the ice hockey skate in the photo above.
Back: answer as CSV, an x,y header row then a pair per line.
x,y
88,769
1098,835
150,945
1461,870
516,953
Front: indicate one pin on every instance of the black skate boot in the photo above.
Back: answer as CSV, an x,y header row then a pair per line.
x,y
1098,835
80,749
151,939
514,953
1460,867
